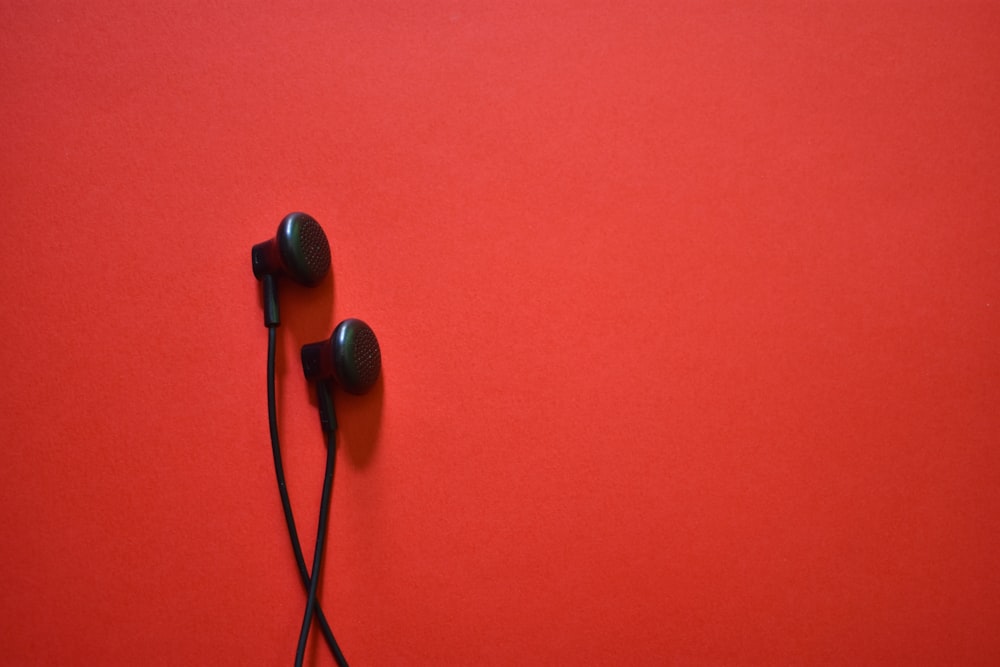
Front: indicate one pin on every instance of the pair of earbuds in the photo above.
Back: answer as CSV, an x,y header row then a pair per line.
x,y
350,358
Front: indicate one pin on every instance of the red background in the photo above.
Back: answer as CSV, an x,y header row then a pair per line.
x,y
689,318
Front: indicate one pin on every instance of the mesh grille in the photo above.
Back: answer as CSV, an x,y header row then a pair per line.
x,y
367,356
315,249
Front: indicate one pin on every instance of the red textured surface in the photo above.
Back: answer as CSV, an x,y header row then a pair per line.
x,y
689,315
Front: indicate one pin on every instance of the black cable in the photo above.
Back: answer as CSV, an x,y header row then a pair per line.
x,y
324,518
286,505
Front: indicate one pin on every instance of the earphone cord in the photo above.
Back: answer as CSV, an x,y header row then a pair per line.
x,y
324,518
286,505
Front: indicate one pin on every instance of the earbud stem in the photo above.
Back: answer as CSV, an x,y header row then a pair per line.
x,y
270,295
312,360
327,418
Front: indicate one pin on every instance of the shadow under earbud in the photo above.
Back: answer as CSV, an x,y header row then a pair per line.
x,y
360,420
310,311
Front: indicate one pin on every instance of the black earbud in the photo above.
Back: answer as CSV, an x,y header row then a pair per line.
x,y
350,357
299,250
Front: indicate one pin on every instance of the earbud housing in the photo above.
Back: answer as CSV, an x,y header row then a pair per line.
x,y
299,250
351,357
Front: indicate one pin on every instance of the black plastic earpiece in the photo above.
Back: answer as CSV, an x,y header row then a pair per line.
x,y
350,357
299,250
